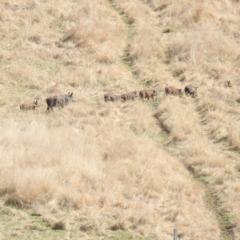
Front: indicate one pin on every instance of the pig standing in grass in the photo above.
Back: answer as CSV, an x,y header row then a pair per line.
x,y
147,93
29,106
192,91
58,101
170,90
129,96
111,97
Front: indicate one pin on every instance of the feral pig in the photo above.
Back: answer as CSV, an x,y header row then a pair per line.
x,y
192,91
223,84
128,96
172,90
58,101
147,93
111,97
29,106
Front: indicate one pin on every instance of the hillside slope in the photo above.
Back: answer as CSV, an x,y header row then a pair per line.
x,y
114,170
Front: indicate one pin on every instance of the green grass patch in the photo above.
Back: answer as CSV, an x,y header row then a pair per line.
x,y
222,139
123,235
206,179
2,104
171,29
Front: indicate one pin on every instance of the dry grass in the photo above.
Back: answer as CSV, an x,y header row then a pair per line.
x,y
102,169
121,174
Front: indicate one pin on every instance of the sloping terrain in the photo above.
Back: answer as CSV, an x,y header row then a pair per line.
x,y
114,170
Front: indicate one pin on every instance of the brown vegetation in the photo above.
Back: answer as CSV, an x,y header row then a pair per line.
x,y
97,169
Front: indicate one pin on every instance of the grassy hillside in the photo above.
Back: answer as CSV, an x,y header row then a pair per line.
x,y
114,170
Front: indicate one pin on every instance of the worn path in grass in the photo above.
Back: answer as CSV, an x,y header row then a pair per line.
x,y
202,171
180,149
213,176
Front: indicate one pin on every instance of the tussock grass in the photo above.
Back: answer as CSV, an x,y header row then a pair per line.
x,y
199,53
221,115
94,168
118,173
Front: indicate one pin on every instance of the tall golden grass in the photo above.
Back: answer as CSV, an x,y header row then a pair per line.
x,y
120,166
201,50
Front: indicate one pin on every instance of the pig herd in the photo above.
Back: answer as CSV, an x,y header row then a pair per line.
x,y
150,93
62,100
147,93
